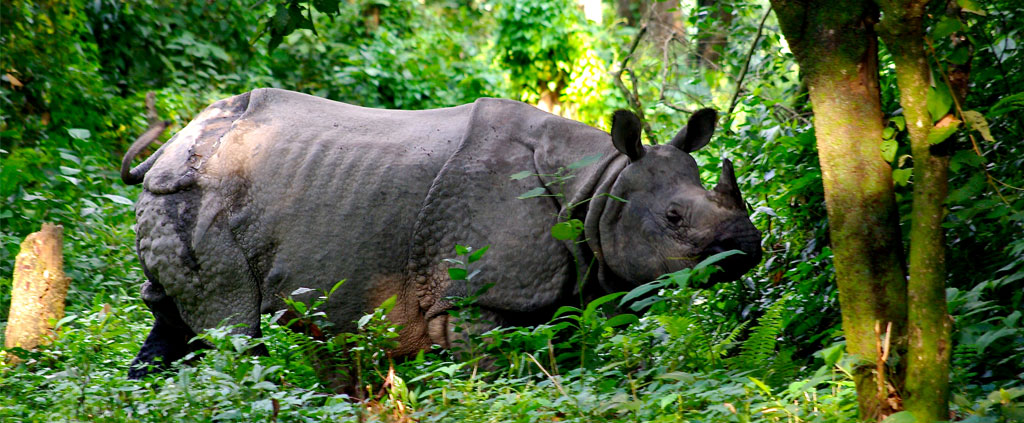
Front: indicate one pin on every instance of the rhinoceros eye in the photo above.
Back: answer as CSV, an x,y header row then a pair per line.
x,y
674,217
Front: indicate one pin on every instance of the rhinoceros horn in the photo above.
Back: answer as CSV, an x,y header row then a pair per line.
x,y
727,185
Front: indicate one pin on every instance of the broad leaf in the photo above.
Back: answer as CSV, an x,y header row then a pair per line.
x,y
621,319
521,175
478,253
80,134
585,161
939,133
457,274
901,176
889,150
977,122
939,102
536,192
568,230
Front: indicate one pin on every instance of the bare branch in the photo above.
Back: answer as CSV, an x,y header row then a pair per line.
x,y
746,64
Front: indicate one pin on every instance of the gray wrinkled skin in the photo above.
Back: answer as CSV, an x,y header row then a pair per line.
x,y
273,190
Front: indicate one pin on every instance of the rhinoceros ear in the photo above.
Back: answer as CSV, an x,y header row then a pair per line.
x,y
626,134
697,131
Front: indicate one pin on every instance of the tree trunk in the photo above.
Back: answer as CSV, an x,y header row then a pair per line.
x,y
664,22
710,44
836,47
926,392
628,10
39,289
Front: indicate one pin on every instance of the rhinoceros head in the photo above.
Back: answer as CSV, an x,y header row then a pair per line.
x,y
669,221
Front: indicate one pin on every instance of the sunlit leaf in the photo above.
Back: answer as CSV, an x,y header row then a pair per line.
x,y
521,175
80,134
536,192
568,230
889,149
478,254
902,176
457,274
117,199
939,101
939,133
972,7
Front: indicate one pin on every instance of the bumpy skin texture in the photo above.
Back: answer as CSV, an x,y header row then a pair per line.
x,y
273,190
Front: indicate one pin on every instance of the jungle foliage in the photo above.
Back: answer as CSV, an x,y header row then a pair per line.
x,y
769,347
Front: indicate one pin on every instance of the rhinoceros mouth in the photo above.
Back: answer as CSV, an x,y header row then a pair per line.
x,y
734,266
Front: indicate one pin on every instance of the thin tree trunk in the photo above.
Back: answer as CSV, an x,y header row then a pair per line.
x,y
928,324
664,22
710,45
836,47
625,10
39,289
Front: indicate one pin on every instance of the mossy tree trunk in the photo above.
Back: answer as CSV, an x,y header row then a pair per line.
x,y
926,392
39,290
836,46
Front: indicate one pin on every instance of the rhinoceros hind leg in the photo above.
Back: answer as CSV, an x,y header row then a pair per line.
x,y
167,342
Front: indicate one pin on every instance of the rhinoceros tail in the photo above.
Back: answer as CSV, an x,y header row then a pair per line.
x,y
133,176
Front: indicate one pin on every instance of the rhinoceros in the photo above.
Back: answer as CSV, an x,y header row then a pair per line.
x,y
272,190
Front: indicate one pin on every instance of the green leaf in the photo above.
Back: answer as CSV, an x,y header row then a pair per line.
x,y
641,290
569,230
976,121
765,388
939,134
335,287
901,417
300,291
889,149
974,186
566,309
329,7
461,249
364,320
668,399
944,27
536,192
888,132
971,6
939,101
716,258
79,134
593,305
902,176
991,336
832,354
521,175
69,170
620,320
478,253
117,199
965,158
959,56
900,121
457,274
388,304
585,161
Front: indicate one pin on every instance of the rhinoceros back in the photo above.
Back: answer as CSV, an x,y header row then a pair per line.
x,y
273,190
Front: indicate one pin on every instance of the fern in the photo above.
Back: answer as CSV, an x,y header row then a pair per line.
x,y
758,351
